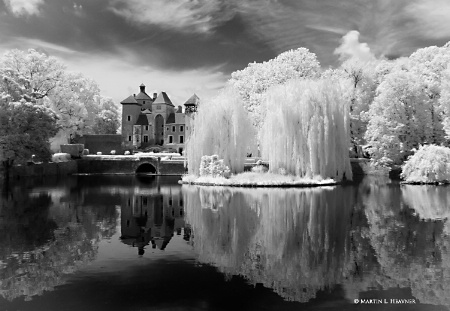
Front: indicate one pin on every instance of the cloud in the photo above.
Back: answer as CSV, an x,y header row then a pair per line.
x,y
320,25
121,73
432,18
198,16
351,48
24,7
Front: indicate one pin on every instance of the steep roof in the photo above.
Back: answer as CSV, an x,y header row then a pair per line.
x,y
193,100
143,95
170,118
142,120
129,100
176,118
163,98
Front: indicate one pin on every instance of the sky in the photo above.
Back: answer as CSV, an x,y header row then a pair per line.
x,y
184,47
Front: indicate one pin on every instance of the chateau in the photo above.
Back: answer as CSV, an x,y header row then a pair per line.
x,y
149,121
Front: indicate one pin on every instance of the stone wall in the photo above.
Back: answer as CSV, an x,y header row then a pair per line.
x,y
172,168
89,166
43,169
102,143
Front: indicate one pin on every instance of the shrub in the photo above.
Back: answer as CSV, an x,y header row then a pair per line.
x,y
113,152
431,164
99,153
213,166
259,169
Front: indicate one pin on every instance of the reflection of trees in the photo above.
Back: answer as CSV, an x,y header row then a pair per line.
x,y
412,252
296,241
45,236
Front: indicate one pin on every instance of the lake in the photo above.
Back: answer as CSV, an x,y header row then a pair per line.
x,y
148,243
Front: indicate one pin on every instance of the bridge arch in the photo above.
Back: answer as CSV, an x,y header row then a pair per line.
x,y
146,168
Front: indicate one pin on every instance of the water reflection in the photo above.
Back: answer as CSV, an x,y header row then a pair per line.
x,y
152,215
46,234
340,243
373,237
409,234
294,240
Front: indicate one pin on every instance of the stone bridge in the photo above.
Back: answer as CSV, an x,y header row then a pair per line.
x,y
131,164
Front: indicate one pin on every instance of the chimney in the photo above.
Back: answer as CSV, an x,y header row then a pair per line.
x,y
154,96
180,110
142,87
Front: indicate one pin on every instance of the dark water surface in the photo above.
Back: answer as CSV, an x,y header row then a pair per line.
x,y
147,243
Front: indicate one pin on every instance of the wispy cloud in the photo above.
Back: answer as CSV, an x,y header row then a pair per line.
x,y
24,7
388,27
432,18
107,68
351,48
199,16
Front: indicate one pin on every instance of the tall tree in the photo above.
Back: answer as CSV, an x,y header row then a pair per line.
x,y
25,129
399,118
106,120
254,81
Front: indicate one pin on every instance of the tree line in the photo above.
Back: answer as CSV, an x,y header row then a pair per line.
x,y
395,106
40,98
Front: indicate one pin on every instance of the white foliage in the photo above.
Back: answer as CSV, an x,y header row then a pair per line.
x,y
445,102
221,127
213,166
306,132
430,164
254,80
399,118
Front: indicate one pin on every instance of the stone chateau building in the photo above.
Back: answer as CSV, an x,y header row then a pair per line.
x,y
154,120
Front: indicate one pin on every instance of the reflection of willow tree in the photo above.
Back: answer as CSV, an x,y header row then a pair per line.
x,y
296,241
41,244
412,252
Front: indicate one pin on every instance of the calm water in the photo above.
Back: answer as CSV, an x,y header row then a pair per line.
x,y
147,243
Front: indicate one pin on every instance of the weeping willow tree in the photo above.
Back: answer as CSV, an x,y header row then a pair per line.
x,y
306,129
221,127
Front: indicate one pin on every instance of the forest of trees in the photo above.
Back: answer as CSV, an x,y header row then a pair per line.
x,y
395,106
40,98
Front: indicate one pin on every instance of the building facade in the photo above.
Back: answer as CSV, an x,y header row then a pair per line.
x,y
155,121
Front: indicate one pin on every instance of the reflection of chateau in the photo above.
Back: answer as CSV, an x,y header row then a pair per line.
x,y
155,120
152,218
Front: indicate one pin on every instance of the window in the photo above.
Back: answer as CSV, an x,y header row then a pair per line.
x,y
146,127
144,102
181,139
158,107
145,138
181,128
129,118
167,129
173,128
181,202
170,201
144,201
170,139
129,138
